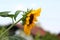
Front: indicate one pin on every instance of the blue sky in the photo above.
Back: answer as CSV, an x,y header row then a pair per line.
x,y
50,15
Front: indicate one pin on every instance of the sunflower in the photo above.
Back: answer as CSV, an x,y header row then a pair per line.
x,y
30,20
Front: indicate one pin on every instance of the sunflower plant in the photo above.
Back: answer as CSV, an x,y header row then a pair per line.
x,y
28,19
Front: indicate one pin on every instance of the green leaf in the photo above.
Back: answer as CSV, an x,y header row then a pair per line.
x,y
12,38
37,37
16,38
4,14
11,15
16,14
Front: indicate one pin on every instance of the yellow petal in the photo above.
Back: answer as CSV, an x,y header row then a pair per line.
x,y
29,14
26,30
27,18
33,12
38,11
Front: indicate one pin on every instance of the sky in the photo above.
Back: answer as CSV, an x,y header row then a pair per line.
x,y
50,14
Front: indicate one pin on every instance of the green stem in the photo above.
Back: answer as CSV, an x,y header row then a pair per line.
x,y
12,20
9,28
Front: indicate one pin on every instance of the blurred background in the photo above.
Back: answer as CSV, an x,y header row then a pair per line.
x,y
50,15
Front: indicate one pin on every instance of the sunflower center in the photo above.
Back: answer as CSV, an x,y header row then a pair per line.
x,y
31,18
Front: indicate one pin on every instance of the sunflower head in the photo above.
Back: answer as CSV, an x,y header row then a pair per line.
x,y
29,19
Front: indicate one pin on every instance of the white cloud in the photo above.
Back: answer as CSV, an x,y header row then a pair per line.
x,y
5,21
20,7
33,5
